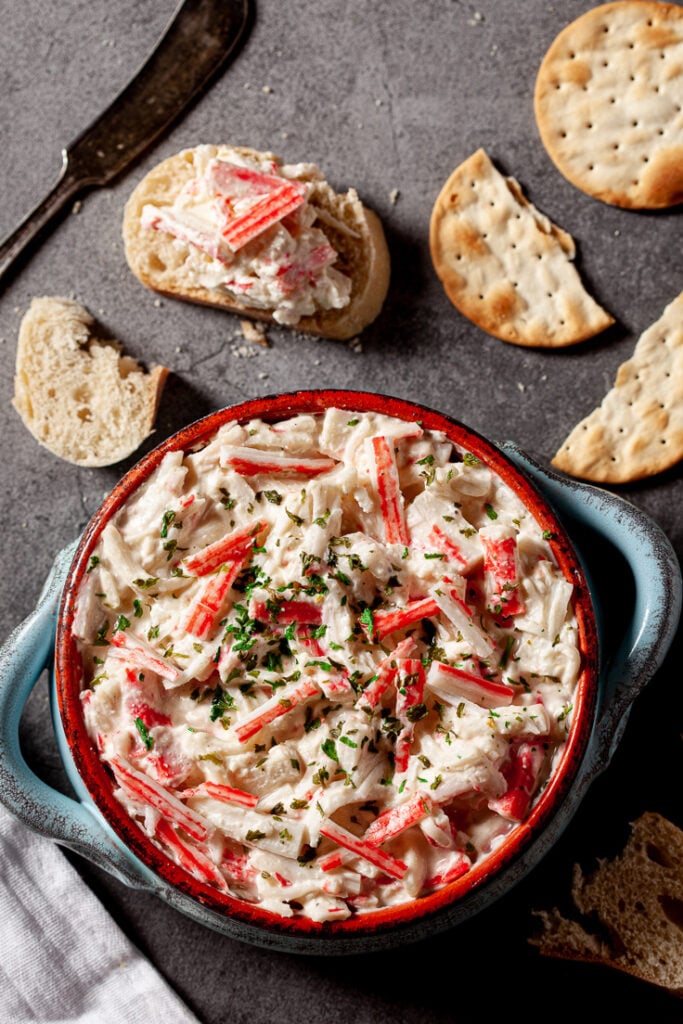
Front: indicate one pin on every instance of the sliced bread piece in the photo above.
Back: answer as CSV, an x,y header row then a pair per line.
x,y
81,397
504,265
631,907
182,269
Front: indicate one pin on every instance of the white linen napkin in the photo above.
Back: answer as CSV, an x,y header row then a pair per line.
x,y
63,959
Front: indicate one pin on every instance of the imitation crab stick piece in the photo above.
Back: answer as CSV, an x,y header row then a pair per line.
x,y
274,708
409,693
190,858
500,561
462,683
386,481
439,540
391,866
304,613
219,791
234,545
521,773
250,461
140,787
140,654
148,715
236,182
397,820
460,615
206,609
386,673
204,240
393,619
458,865
265,212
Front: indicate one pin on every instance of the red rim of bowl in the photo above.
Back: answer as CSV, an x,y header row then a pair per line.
x,y
99,782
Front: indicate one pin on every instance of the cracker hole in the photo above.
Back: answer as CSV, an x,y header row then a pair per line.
x,y
634,124
459,256
646,159
631,46
660,131
563,135
605,28
649,22
561,323
613,99
662,56
481,297
589,124
513,245
473,184
615,145
591,167
572,55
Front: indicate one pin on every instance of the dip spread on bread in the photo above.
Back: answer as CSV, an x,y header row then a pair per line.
x,y
252,234
329,661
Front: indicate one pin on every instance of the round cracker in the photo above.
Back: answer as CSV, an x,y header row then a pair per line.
x,y
637,431
609,103
504,265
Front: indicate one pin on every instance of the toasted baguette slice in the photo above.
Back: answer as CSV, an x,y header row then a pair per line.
x,y
632,909
356,233
78,396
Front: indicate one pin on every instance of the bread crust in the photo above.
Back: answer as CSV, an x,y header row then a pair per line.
x,y
157,259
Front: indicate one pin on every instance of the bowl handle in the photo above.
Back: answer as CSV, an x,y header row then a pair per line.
x,y
648,626
23,657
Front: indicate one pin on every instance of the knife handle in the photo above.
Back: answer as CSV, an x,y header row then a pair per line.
x,y
66,186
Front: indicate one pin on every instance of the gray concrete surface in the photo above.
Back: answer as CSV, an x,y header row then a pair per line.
x,y
384,96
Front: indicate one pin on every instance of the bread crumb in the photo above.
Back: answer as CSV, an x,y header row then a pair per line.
x,y
263,376
356,345
243,351
255,333
158,303
76,208
267,89
521,387
393,196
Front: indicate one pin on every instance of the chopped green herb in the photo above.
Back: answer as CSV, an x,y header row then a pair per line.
x,y
121,623
137,605
329,747
294,517
94,560
166,521
144,733
490,511
145,584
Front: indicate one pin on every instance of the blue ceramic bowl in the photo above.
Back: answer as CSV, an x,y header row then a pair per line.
x,y
617,549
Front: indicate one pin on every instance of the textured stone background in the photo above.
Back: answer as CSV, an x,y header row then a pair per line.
x,y
384,96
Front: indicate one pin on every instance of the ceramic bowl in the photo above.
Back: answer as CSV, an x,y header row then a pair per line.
x,y
582,520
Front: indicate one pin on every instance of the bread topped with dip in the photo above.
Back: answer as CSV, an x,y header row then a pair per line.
x,y
237,229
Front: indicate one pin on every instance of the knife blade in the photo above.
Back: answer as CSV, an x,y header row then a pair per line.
x,y
200,38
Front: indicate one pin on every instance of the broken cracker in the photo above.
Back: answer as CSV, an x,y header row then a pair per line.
x,y
505,265
609,103
638,430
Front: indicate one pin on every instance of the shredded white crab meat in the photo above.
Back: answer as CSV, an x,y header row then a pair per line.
x,y
343,721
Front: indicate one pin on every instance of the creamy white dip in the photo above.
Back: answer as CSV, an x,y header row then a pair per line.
x,y
330,661
286,265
